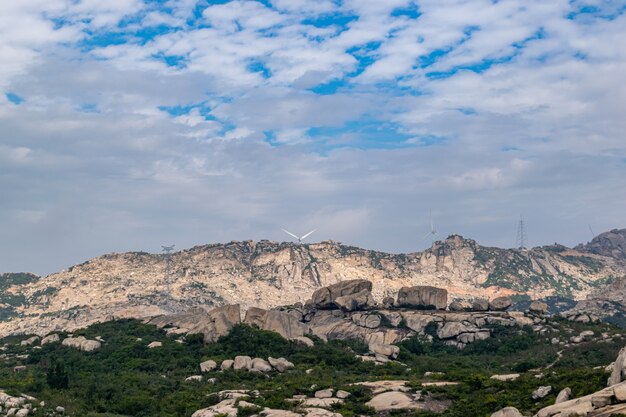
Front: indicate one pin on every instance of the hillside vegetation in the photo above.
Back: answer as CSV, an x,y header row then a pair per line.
x,y
126,378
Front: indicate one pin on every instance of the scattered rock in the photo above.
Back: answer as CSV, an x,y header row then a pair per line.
x,y
392,401
505,377
564,395
541,392
208,366
153,345
194,378
242,362
260,365
51,338
280,364
507,412
227,364
325,393
30,341
342,394
389,351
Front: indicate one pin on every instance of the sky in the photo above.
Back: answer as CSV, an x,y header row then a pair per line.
x,y
131,124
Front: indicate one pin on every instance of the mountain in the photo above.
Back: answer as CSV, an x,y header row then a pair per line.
x,y
269,274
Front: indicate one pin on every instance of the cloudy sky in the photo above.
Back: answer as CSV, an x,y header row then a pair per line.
x,y
127,124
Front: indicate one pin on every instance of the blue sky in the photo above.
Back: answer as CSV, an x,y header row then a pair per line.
x,y
129,124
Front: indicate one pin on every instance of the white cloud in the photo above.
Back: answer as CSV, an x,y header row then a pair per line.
x,y
540,134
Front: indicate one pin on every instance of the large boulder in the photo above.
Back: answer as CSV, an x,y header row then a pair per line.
x,y
260,365
460,305
425,297
280,364
619,369
242,362
500,304
355,302
389,351
507,412
348,295
480,304
208,366
392,401
81,343
538,307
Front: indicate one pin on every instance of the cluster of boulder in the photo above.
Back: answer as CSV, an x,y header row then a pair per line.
x,y
347,310
80,342
232,401
610,401
25,405
248,364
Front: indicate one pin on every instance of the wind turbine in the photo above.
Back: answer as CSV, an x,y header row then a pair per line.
x,y
593,235
300,238
432,232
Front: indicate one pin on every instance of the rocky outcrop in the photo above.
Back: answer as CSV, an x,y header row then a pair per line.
x,y
607,402
213,324
348,295
266,274
287,325
611,244
423,297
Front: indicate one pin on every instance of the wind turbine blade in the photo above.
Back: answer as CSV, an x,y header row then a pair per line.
x,y
290,234
308,234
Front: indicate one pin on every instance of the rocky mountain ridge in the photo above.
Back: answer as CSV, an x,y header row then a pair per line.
x,y
267,274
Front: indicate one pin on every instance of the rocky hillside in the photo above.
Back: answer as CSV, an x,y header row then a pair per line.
x,y
267,274
612,244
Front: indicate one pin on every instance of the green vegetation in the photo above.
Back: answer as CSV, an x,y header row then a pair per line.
x,y
125,378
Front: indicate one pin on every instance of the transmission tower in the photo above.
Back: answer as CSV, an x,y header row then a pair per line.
x,y
168,260
522,238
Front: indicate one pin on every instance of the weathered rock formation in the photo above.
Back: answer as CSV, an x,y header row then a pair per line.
x,y
347,295
425,297
266,274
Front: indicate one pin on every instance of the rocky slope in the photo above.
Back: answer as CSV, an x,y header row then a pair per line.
x,y
267,274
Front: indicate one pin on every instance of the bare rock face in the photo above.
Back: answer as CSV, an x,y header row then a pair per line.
x,y
266,274
500,304
348,295
283,323
425,297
